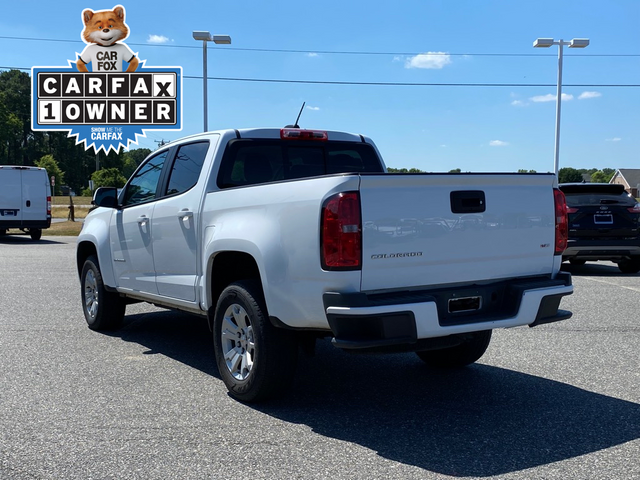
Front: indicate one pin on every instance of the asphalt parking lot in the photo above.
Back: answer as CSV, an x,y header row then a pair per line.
x,y
559,401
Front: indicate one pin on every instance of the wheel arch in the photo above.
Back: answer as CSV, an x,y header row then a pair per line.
x,y
226,267
83,251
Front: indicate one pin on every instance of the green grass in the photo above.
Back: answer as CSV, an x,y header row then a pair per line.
x,y
62,211
60,200
64,228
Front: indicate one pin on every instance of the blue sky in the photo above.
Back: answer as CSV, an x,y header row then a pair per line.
x,y
433,128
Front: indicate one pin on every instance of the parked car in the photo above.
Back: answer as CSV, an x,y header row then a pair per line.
x,y
604,223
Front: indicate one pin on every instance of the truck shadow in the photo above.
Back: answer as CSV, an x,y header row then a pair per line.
x,y
185,338
474,422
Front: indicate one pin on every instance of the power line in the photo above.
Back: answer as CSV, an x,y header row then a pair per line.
x,y
408,84
391,84
336,52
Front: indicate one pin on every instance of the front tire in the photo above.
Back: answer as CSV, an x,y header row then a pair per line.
x,y
256,360
103,310
470,350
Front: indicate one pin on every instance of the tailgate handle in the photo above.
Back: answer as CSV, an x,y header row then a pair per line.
x,y
468,201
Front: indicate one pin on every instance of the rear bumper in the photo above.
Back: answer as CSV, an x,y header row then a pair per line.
x,y
602,249
4,224
413,320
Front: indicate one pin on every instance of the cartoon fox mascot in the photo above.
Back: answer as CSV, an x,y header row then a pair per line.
x,y
102,31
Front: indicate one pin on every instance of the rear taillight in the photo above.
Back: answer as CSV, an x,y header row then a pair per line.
x,y
572,210
48,206
562,222
297,134
341,232
635,208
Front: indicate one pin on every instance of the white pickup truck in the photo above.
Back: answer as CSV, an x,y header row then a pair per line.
x,y
282,236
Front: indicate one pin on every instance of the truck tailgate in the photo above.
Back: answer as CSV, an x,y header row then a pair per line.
x,y
435,229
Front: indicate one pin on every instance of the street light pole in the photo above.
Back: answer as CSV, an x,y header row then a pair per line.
x,y
207,37
205,101
545,43
556,151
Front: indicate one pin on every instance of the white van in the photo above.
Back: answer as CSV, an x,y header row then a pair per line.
x,y
25,199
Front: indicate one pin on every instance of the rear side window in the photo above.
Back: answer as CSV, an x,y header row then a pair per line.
x,y
144,184
250,162
186,167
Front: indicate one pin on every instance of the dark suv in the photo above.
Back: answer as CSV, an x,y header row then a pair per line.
x,y
603,225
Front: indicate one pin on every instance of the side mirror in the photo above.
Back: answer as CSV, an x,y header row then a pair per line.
x,y
105,197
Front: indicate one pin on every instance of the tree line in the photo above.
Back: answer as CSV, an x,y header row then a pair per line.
x,y
71,164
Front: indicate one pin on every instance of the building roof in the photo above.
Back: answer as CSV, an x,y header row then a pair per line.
x,y
631,176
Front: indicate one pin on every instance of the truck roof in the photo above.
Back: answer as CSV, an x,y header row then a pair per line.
x,y
274,133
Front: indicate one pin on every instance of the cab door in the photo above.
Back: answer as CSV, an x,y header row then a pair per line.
x,y
131,229
175,222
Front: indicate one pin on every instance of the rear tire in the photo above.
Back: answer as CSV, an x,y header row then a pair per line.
x,y
577,261
255,359
459,356
35,233
629,266
103,310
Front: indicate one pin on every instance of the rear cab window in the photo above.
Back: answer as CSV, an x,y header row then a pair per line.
x,y
251,161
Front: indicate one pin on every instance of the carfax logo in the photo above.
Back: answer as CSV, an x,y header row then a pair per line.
x,y
97,102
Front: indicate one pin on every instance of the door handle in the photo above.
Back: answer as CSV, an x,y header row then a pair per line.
x,y
142,219
185,213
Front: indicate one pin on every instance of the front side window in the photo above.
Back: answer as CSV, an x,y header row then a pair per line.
x,y
144,184
186,167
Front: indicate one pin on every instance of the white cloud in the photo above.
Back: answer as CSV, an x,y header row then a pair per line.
x,y
551,98
433,60
498,143
157,39
585,95
312,54
519,103
544,98
614,139
313,108
398,58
